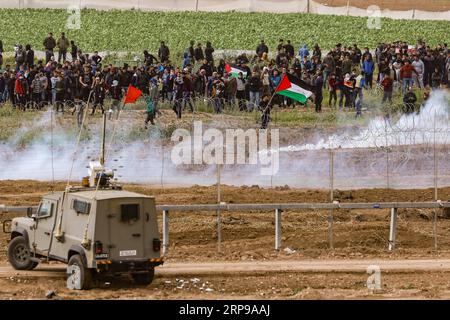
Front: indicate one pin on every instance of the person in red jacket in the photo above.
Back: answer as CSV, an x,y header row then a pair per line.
x,y
332,87
387,85
21,90
406,75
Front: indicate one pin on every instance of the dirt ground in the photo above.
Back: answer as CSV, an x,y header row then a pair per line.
x,y
249,236
434,5
338,285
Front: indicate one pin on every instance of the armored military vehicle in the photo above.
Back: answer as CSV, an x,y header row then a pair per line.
x,y
96,228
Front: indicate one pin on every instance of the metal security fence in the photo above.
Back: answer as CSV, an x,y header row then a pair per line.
x,y
278,208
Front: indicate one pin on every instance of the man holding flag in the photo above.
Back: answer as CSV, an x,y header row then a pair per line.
x,y
116,93
292,87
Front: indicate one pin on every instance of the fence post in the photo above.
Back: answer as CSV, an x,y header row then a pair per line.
x,y
393,229
278,229
165,231
219,218
307,6
435,230
387,154
330,215
435,158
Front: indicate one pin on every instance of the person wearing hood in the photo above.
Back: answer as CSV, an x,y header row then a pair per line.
x,y
149,59
368,68
186,60
303,51
163,52
209,53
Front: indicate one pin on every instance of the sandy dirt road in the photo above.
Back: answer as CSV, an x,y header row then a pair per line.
x,y
58,270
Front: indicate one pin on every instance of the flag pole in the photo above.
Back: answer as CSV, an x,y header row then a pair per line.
x,y
274,93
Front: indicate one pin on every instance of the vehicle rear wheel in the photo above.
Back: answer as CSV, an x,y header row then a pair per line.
x,y
19,254
144,278
79,277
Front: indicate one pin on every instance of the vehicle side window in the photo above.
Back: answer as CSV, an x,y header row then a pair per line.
x,y
81,207
45,209
129,212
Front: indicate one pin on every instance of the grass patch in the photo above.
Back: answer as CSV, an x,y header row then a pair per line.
x,y
11,120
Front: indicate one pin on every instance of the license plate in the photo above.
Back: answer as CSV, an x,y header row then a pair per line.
x,y
127,253
101,256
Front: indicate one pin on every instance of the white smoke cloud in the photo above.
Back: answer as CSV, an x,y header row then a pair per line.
x,y
359,156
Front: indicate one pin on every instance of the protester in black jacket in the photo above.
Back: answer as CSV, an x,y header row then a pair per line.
x,y
262,48
191,51
49,45
209,53
198,53
29,56
163,52
255,86
290,51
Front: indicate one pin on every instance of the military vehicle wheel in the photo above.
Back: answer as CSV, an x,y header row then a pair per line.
x,y
19,254
79,277
144,278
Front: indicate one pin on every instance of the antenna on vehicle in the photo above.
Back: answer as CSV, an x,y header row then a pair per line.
x,y
102,156
51,142
98,174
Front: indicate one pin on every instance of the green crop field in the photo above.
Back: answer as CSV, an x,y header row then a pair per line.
x,y
136,30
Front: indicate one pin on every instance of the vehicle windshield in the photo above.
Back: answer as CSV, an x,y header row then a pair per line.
x,y
44,209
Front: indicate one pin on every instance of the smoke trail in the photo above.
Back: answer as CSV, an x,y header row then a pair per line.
x,y
410,129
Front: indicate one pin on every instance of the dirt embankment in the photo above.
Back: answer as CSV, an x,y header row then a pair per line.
x,y
29,192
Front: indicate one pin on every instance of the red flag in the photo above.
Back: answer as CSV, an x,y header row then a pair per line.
x,y
132,94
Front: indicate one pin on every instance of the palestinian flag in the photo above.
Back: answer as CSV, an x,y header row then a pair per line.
x,y
234,70
292,87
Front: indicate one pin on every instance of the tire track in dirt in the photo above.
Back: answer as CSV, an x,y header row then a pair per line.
x,y
324,266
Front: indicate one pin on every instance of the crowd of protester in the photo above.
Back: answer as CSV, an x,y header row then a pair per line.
x,y
346,72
